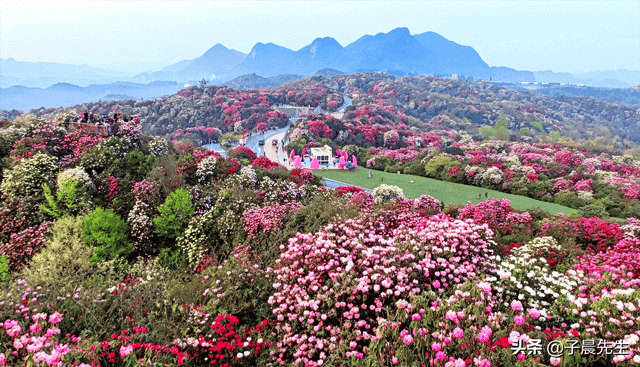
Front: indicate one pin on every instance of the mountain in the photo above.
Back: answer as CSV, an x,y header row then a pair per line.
x,y
42,74
253,81
180,65
595,79
267,60
630,77
216,60
66,94
215,63
396,50
454,58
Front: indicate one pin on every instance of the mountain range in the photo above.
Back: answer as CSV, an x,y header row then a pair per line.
x,y
396,52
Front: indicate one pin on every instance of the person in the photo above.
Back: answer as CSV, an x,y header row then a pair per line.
x,y
486,195
380,178
479,196
370,175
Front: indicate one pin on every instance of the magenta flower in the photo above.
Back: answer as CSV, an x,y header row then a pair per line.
x,y
516,305
518,320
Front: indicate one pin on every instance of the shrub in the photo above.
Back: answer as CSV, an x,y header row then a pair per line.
x,y
439,167
175,214
386,193
25,180
65,258
24,244
108,233
340,284
243,152
4,269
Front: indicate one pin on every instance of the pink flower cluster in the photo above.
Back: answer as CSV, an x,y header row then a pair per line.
x,y
340,279
268,218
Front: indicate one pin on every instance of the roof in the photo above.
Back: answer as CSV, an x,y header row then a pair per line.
x,y
325,150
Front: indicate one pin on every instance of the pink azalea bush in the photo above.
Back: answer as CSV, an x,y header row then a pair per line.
x,y
323,279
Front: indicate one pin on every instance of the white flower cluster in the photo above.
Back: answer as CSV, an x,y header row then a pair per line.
x,y
493,175
26,178
246,178
12,133
514,159
631,230
527,277
159,146
585,195
189,242
141,223
77,174
386,193
604,175
206,169
523,169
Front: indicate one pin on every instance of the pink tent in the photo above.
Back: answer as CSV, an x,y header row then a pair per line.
x,y
304,151
354,161
314,163
338,152
341,162
298,163
292,155
346,156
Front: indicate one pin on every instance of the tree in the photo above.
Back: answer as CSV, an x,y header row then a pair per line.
x,y
175,214
108,233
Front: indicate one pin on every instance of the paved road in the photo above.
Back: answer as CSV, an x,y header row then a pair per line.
x,y
252,142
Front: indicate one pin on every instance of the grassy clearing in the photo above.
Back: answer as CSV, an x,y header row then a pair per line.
x,y
447,192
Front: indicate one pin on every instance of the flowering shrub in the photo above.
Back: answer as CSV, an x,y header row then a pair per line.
x,y
24,244
264,162
526,276
158,146
25,180
206,169
386,193
323,279
141,224
341,190
244,152
268,218
429,204
363,200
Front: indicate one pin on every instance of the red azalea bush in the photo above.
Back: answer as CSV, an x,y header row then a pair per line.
x,y
244,152
590,234
341,190
264,162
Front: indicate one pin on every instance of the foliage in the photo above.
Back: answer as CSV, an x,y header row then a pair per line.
x,y
64,258
4,270
108,234
174,214
25,180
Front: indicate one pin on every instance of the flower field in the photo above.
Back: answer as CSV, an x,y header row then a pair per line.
x,y
135,250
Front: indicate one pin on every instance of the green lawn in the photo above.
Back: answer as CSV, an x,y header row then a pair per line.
x,y
447,192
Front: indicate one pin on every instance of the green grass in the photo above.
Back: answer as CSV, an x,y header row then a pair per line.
x,y
447,192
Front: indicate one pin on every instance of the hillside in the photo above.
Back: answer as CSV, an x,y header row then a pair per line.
x,y
127,249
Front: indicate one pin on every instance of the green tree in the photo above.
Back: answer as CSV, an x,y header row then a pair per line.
x,y
175,214
4,270
108,233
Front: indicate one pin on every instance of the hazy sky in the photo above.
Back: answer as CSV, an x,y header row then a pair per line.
x,y
135,36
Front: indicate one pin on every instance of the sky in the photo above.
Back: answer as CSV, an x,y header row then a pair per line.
x,y
136,36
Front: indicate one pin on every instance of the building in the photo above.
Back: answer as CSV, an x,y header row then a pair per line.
x,y
323,154
454,76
